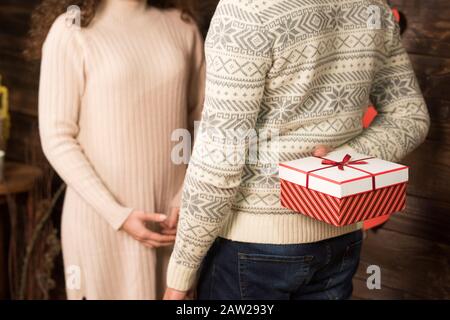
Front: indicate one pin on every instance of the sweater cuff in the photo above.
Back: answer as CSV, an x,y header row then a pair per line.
x,y
117,216
179,277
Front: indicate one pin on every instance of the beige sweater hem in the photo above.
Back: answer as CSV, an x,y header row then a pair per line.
x,y
285,229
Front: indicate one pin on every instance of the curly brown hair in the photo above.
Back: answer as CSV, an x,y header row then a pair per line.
x,y
48,10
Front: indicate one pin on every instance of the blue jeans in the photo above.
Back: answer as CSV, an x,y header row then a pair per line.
x,y
313,271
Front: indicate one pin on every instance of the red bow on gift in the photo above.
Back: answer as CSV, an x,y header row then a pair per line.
x,y
345,161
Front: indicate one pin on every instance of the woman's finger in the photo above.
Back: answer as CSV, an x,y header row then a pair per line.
x,y
148,244
154,244
172,219
158,237
153,217
169,231
147,235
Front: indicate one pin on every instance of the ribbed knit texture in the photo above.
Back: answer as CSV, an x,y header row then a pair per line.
x,y
111,95
309,69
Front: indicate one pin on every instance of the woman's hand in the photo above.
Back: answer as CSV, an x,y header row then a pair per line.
x,y
322,151
135,226
169,226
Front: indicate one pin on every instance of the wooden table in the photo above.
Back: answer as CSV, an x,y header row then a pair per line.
x,y
17,195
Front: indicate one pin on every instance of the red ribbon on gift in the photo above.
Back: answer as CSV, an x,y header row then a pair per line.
x,y
341,164
345,162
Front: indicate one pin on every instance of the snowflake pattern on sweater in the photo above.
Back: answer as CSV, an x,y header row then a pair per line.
x,y
308,69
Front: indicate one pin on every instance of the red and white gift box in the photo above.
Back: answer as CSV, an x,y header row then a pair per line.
x,y
343,188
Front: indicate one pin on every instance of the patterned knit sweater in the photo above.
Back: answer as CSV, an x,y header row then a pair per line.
x,y
307,70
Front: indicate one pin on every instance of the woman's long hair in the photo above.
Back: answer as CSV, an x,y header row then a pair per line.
x,y
48,10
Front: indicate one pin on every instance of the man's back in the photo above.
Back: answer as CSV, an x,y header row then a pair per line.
x,y
305,70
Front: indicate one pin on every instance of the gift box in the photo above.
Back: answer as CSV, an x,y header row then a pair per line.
x,y
343,188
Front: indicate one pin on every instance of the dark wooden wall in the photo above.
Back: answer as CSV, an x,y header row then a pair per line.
x,y
413,248
21,78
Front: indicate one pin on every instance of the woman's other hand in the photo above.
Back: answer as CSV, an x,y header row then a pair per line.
x,y
169,226
135,226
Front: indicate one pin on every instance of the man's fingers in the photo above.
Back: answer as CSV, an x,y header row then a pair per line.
x,y
321,151
191,295
172,294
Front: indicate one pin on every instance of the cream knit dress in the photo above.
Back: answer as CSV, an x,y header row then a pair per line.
x,y
111,95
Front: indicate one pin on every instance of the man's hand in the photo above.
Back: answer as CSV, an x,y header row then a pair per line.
x,y
322,151
135,226
172,294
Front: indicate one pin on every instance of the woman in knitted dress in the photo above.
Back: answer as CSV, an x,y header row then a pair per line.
x,y
112,91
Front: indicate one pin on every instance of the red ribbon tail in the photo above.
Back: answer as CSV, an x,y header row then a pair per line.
x,y
346,158
358,162
326,161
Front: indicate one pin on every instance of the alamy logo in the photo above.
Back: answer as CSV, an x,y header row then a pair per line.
x,y
373,17
240,147
374,280
73,16
73,277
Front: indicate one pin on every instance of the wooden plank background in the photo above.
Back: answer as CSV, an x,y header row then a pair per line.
x,y
413,248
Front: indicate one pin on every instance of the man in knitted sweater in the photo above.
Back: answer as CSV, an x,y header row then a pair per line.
x,y
305,69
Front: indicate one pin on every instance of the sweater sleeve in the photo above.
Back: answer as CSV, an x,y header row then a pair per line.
x,y
403,121
238,57
60,92
196,90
